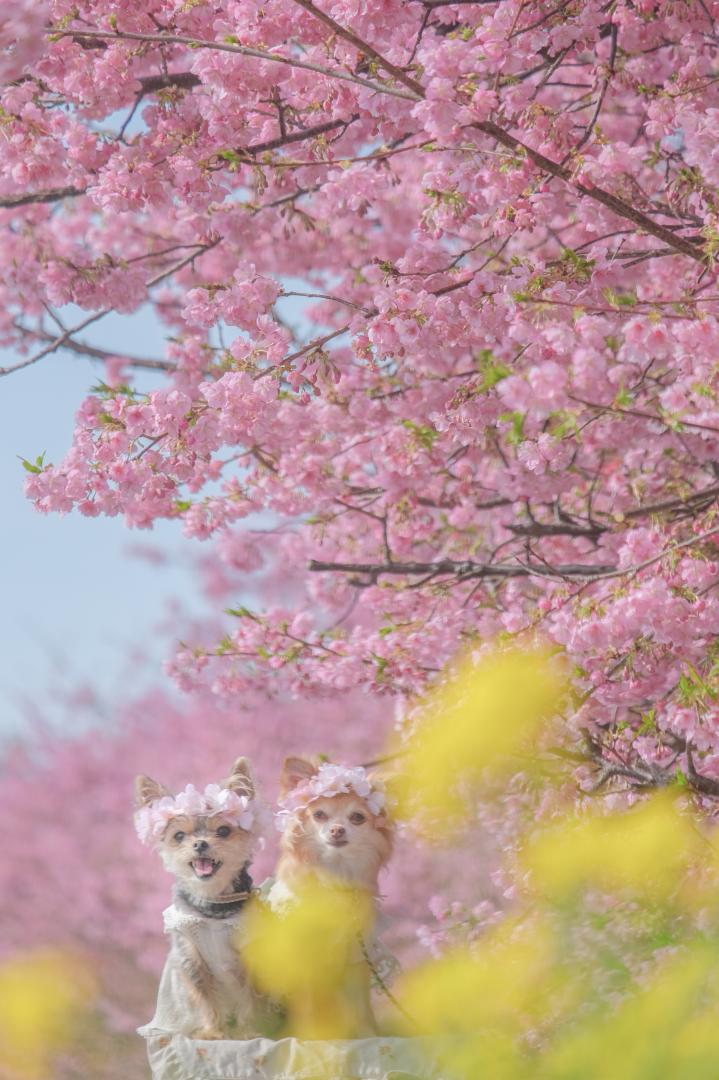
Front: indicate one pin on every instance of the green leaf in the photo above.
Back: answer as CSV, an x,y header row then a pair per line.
x,y
680,779
381,663
581,266
230,155
648,725
37,466
241,613
493,371
424,434
516,434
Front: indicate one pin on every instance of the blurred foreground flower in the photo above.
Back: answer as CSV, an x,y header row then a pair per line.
x,y
666,1030
310,958
481,1005
45,996
469,728
647,850
602,971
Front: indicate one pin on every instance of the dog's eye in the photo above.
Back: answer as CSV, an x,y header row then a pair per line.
x,y
320,815
179,836
357,818
224,830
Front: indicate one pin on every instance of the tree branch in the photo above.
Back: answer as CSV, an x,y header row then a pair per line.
x,y
703,784
297,136
157,83
185,80
679,244
539,529
99,354
28,197
363,47
63,338
467,569
240,50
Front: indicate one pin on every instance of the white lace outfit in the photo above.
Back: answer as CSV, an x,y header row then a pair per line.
x,y
180,1058
216,941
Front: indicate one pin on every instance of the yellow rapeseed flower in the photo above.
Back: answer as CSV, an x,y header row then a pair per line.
x,y
309,956
667,1028
472,726
646,850
480,1005
44,996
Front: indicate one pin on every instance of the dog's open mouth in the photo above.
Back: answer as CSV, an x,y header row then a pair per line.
x,y
205,868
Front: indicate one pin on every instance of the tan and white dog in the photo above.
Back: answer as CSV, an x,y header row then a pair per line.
x,y
337,834
205,840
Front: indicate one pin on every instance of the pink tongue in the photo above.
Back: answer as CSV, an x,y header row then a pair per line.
x,y
203,867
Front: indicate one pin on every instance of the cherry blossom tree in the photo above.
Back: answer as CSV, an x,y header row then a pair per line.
x,y
439,286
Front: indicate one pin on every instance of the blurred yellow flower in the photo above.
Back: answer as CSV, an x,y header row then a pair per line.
x,y
44,996
667,1029
310,957
482,1005
463,992
646,850
470,727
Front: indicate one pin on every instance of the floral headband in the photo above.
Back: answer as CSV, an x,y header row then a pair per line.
x,y
330,780
151,820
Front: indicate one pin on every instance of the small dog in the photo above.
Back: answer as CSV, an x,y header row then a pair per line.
x,y
336,832
206,840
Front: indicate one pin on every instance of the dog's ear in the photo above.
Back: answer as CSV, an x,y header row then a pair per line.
x,y
147,790
240,779
295,770
386,829
382,820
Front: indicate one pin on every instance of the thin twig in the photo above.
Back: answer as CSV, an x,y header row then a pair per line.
x,y
61,340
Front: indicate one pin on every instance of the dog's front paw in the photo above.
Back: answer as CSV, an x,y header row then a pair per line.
x,y
207,1033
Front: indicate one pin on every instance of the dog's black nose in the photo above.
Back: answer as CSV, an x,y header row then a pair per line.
x,y
200,845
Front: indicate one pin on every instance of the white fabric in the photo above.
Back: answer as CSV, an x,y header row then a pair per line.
x,y
278,895
179,1058
215,940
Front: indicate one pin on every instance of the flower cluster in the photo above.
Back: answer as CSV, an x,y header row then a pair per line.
x,y
151,820
442,334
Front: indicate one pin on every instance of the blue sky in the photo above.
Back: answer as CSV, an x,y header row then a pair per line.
x,y
74,600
